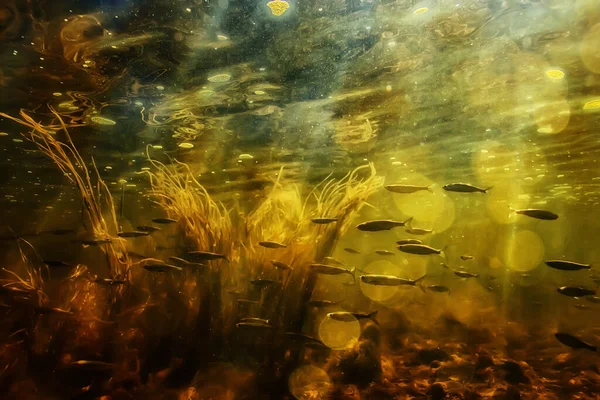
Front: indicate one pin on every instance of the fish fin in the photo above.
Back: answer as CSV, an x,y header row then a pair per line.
x,y
486,189
419,282
407,222
443,252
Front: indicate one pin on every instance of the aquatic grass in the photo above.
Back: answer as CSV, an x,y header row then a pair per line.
x,y
95,195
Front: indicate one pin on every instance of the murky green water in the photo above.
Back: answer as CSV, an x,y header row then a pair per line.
x,y
240,120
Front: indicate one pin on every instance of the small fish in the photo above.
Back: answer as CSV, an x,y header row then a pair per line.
x,y
132,234
418,231
380,225
323,221
384,253
162,268
464,188
280,265
536,213
351,251
465,274
57,264
96,242
406,189
246,301
330,269
322,303
573,342
567,265
421,249
262,283
303,338
93,365
235,292
444,265
593,299
332,260
187,263
408,241
255,320
582,306
575,291
464,257
164,220
254,325
272,245
110,282
58,232
147,228
438,288
347,316
51,310
388,280
207,256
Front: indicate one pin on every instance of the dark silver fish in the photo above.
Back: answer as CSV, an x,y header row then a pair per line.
x,y
465,257
389,280
332,260
347,316
164,220
255,325
536,213
109,282
384,253
246,301
255,320
406,189
421,249
408,241
93,365
464,188
280,265
147,228
582,306
438,288
51,310
57,264
465,274
187,263
262,283
272,245
322,303
593,299
330,269
132,234
418,231
323,221
162,268
303,338
567,265
573,342
207,256
380,225
575,291
351,251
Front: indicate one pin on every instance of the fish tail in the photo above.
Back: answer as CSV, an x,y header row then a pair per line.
x,y
407,222
372,315
419,283
429,188
486,189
